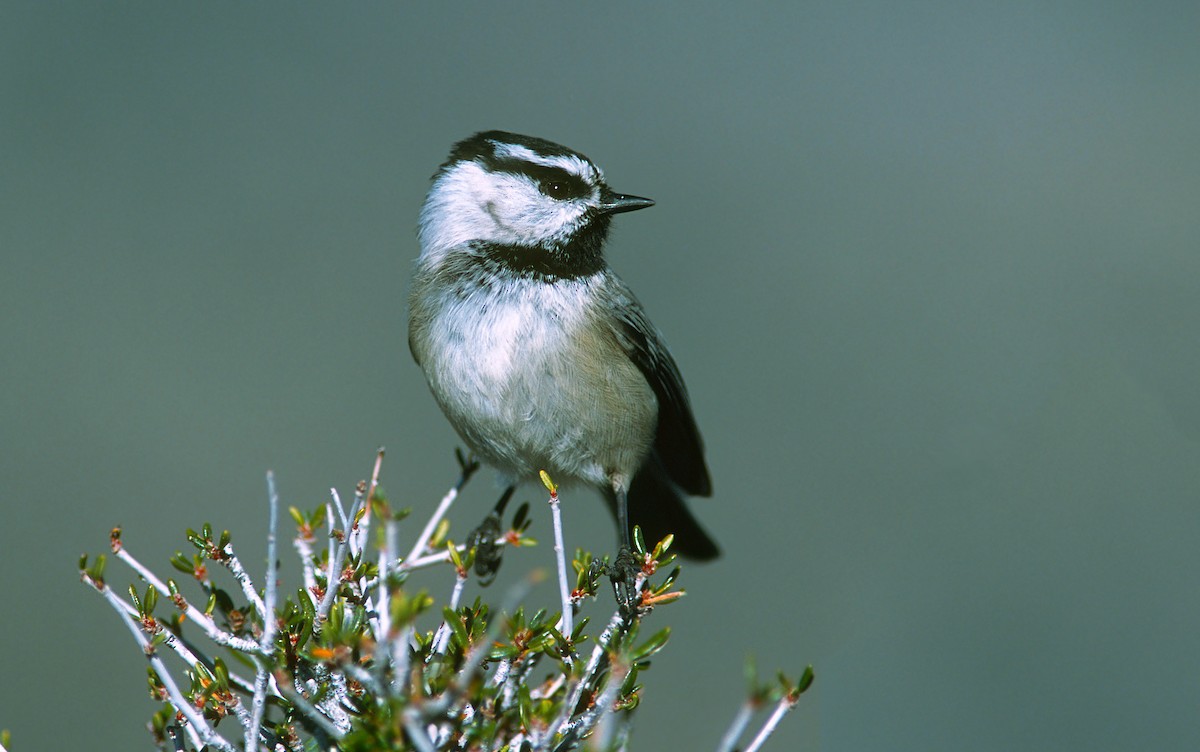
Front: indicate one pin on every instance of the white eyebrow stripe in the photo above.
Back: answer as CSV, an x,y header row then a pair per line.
x,y
572,164
516,151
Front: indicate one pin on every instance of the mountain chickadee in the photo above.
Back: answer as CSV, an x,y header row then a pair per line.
x,y
538,354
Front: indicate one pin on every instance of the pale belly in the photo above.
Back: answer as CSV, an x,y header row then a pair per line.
x,y
535,385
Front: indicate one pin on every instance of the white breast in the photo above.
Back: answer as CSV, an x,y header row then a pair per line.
x,y
531,382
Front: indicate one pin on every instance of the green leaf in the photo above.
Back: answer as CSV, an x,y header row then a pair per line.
x,y
750,672
651,646
806,680
669,580
577,636
455,623
629,686
454,555
297,517
318,517
306,605
196,539
524,704
639,542
440,533
96,573
336,616
661,547
180,562
221,672
406,608
550,485
379,504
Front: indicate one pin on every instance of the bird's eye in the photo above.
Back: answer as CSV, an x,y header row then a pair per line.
x,y
557,184
556,189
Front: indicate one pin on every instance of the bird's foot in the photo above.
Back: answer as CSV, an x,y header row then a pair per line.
x,y
625,575
488,553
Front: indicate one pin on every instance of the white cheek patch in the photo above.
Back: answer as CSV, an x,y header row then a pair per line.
x,y
452,214
469,203
523,215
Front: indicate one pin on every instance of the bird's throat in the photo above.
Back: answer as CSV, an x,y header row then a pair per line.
x,y
581,256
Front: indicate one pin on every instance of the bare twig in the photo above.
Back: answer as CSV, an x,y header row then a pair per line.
x,y
202,620
442,638
337,556
468,469
267,641
231,562
601,709
737,727
785,704
431,560
383,619
617,624
416,734
197,728
359,532
492,694
310,711
565,622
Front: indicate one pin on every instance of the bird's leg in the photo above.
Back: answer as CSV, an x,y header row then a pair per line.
x,y
483,540
624,571
505,497
623,517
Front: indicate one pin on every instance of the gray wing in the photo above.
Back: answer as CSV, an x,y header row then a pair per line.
x,y
677,441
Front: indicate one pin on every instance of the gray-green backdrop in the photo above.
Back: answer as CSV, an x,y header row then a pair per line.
x,y
930,270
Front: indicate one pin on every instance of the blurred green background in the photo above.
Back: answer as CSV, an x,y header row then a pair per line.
x,y
930,270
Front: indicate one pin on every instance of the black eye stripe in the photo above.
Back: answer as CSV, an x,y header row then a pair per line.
x,y
560,184
486,149
553,181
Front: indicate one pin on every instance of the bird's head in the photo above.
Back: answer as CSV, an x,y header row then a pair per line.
x,y
521,197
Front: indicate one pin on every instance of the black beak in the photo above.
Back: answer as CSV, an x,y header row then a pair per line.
x,y
616,203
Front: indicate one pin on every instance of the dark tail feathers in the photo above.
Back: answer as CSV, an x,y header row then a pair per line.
x,y
657,508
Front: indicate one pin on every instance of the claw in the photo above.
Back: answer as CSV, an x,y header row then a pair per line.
x,y
483,539
624,573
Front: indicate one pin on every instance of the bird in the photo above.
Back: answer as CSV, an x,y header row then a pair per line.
x,y
537,352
